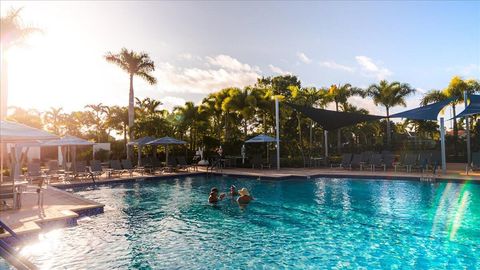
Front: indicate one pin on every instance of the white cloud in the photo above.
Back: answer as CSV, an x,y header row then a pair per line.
x,y
304,58
370,69
185,56
228,62
169,102
467,70
222,71
278,70
333,65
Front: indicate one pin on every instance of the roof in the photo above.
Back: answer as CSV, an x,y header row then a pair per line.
x,y
473,108
16,132
331,120
142,141
428,112
68,141
166,141
262,138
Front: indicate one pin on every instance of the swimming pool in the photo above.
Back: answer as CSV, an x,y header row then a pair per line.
x,y
302,224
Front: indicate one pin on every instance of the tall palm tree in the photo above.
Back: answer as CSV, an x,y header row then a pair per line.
x,y
389,95
340,94
243,103
12,34
135,64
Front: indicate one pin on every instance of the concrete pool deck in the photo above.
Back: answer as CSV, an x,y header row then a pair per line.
x,y
62,208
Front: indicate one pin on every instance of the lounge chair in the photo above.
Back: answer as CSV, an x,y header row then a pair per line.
x,y
475,165
116,167
127,165
377,162
422,162
346,158
95,169
80,169
435,161
171,165
356,162
7,194
258,161
182,164
34,172
388,160
365,157
408,162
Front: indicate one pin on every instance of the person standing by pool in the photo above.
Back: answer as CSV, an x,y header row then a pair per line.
x,y
214,198
245,197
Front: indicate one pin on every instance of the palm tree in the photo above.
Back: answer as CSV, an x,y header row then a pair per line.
x,y
12,34
98,111
53,119
340,94
389,95
135,64
243,103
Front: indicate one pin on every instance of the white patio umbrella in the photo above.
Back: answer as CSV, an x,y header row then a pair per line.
x,y
69,141
11,132
166,141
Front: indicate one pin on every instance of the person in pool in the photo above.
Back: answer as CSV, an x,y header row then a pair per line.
x,y
233,191
214,198
245,197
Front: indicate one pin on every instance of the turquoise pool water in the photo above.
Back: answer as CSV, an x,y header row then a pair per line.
x,y
293,224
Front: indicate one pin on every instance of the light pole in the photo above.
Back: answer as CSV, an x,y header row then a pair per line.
x,y
277,128
467,124
442,145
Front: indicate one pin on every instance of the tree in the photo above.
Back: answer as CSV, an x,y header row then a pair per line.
x,y
135,64
389,95
99,110
53,120
340,94
12,34
28,117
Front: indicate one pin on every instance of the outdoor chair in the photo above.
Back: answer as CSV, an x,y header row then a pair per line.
x,y
171,165
34,172
127,165
80,169
116,167
7,194
95,169
409,160
475,165
377,162
422,162
435,161
365,157
388,160
356,162
182,164
346,158
257,161
385,153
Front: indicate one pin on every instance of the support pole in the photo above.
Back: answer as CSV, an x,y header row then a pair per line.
x,y
467,124
442,145
325,132
139,155
277,126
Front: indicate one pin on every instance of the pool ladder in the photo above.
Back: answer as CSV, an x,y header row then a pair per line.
x,y
11,255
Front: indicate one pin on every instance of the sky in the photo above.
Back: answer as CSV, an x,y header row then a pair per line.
x,y
202,47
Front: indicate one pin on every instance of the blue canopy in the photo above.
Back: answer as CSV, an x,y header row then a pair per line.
x,y
165,141
473,108
142,141
262,138
429,112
